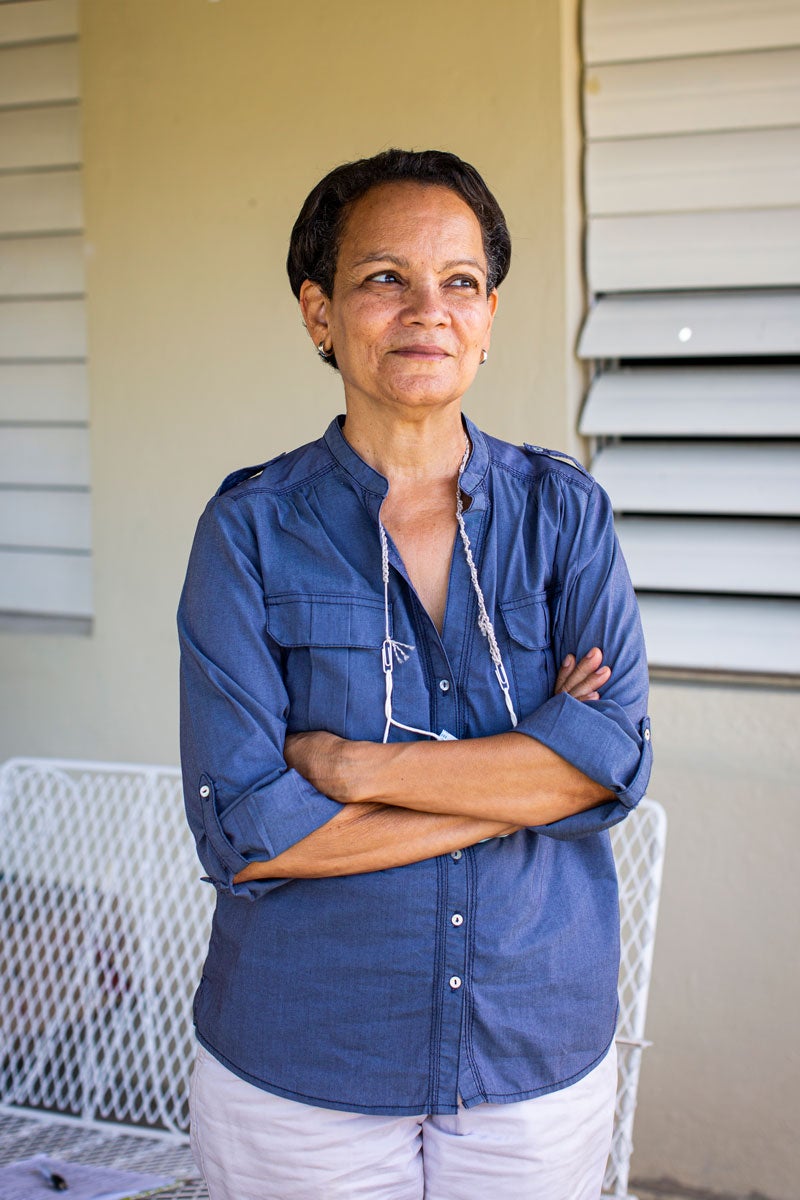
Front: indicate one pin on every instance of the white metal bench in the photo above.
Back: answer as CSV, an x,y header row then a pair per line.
x,y
103,927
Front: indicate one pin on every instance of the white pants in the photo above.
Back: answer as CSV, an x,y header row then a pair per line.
x,y
251,1145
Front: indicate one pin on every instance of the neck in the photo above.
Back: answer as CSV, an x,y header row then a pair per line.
x,y
420,451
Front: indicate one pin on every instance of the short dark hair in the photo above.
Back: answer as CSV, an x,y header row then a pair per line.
x,y
317,233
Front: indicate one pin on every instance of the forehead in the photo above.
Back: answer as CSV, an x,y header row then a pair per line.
x,y
393,217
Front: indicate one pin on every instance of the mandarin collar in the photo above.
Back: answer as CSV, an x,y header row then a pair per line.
x,y
367,477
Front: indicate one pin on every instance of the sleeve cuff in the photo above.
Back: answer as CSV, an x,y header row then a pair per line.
x,y
261,825
599,738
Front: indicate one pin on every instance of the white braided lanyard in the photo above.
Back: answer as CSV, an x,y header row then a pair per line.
x,y
400,651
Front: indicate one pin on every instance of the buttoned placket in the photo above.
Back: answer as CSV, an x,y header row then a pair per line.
x,y
442,662
451,938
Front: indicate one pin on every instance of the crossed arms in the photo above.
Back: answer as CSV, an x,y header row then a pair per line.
x,y
408,801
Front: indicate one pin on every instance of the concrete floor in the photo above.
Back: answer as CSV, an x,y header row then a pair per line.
x,y
665,1190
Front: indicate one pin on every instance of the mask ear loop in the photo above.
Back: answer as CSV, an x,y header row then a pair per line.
x,y
484,624
391,650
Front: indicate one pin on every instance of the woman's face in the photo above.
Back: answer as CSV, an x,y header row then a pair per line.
x,y
410,314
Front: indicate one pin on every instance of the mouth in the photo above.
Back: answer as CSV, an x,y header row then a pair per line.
x,y
422,353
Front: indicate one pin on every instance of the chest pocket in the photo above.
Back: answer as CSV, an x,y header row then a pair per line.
x,y
331,662
529,660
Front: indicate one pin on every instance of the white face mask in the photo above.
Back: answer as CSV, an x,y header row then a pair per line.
x,y
400,651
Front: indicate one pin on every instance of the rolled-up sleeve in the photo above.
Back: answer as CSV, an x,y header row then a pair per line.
x,y
242,801
607,739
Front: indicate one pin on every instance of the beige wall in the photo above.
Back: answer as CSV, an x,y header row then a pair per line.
x,y
720,1088
205,125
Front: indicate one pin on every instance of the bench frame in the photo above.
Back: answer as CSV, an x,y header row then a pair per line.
x,y
101,948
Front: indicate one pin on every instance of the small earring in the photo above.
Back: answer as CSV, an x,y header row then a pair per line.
x,y
322,352
484,356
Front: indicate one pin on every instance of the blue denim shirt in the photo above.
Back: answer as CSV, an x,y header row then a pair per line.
x,y
489,973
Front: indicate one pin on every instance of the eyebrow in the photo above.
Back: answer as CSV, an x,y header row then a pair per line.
x,y
378,256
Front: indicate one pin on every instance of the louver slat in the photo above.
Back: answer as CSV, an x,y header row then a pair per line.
x,y
700,555
694,402
56,585
43,19
44,457
720,171
691,95
722,633
39,329
708,477
751,248
46,520
42,266
40,137
628,29
692,325
43,392
39,74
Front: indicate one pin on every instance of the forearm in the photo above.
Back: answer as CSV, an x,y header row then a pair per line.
x,y
374,837
507,778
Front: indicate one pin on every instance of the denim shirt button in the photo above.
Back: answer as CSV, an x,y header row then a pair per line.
x,y
205,791
456,855
455,983
444,685
456,919
647,735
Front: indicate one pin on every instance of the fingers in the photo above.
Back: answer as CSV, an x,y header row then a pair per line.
x,y
583,680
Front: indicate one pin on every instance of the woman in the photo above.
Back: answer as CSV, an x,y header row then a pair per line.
x,y
398,765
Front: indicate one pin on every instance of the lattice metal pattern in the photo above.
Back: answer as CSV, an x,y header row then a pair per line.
x,y
639,852
103,930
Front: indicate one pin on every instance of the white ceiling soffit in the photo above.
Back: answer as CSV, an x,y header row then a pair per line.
x,y
688,325
686,95
700,555
694,402
722,633
617,30
755,478
721,171
654,252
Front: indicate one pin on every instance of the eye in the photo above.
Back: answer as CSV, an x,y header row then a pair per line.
x,y
384,277
465,281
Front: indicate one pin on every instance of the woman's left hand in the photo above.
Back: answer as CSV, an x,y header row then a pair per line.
x,y
583,680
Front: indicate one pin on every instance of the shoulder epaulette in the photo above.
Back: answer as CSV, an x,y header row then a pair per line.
x,y
230,481
559,456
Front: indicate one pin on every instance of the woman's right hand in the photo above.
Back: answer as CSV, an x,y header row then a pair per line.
x,y
583,680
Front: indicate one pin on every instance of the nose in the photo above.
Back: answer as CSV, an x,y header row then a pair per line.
x,y
425,305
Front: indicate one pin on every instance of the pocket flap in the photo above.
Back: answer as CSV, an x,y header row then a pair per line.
x,y
326,621
528,620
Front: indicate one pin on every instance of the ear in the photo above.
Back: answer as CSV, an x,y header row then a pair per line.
x,y
314,307
491,301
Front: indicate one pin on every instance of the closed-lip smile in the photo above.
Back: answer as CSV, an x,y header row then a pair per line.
x,y
421,350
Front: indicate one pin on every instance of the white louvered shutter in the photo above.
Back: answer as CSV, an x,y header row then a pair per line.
x,y
45,548
692,185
